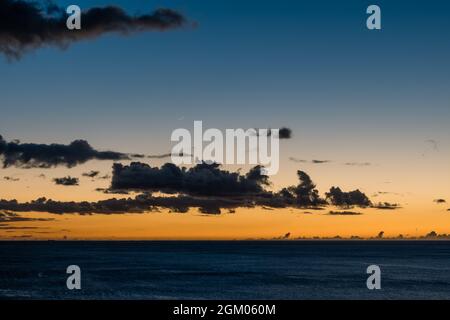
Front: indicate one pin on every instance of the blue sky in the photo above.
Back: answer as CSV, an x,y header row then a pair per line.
x,y
312,66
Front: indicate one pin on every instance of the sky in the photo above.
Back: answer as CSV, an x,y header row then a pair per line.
x,y
375,104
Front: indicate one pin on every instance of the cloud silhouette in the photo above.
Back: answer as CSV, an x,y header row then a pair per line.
x,y
439,201
8,217
203,179
91,174
140,204
340,198
320,161
344,213
167,155
284,133
204,186
386,206
66,181
26,25
32,155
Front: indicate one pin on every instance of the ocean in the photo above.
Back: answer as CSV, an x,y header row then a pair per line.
x,y
225,269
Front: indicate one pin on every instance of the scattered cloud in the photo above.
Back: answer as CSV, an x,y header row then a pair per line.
x,y
383,193
386,206
11,179
203,179
314,161
46,25
168,155
344,213
32,155
358,164
91,174
347,199
204,186
439,201
285,133
8,217
320,161
66,181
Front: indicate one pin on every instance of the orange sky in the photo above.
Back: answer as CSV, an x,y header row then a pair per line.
x,y
414,192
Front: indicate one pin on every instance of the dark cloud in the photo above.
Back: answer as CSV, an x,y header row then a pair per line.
x,y
66,181
440,201
32,155
160,156
386,206
168,155
340,198
203,179
204,186
108,191
139,204
137,155
91,174
8,217
320,161
26,25
304,194
344,213
284,133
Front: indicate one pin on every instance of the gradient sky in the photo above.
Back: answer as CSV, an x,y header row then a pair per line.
x,y
347,93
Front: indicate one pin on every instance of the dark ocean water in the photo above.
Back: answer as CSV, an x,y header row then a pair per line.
x,y
225,270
